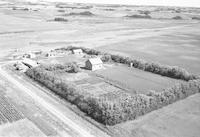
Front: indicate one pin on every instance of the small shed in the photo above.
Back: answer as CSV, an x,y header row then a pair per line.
x,y
94,64
77,51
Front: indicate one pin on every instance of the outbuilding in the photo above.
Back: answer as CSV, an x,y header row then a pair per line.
x,y
29,55
50,54
21,67
77,51
94,64
29,63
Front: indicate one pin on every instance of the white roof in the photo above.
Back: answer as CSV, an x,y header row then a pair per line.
x,y
95,61
30,62
77,50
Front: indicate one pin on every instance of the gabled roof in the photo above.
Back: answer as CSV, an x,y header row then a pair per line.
x,y
29,62
77,50
95,61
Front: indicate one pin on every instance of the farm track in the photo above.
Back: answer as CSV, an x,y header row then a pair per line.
x,y
81,132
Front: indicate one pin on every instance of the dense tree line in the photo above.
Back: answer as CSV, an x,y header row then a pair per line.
x,y
146,16
113,108
68,67
157,68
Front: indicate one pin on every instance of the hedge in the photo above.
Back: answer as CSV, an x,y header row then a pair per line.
x,y
113,108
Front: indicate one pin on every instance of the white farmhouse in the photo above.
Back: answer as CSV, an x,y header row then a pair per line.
x,y
77,51
94,64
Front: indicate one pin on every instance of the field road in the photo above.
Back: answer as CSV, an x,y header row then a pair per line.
x,y
82,132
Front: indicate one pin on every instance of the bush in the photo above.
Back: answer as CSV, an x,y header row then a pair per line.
x,y
146,12
59,19
60,10
84,13
68,67
196,18
177,18
139,16
106,58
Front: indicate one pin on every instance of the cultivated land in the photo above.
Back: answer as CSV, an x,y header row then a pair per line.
x,y
169,35
135,79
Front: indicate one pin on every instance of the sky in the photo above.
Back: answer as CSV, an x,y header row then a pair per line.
x,y
184,3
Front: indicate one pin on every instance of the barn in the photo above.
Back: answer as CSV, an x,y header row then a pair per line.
x,y
77,51
94,64
29,63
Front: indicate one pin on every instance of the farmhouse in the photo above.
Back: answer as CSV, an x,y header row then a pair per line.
x,y
77,51
30,63
94,64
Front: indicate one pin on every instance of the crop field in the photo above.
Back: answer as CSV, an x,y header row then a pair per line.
x,y
177,47
22,127
79,77
90,84
8,112
98,89
134,79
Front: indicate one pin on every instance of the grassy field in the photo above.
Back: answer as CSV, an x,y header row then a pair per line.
x,y
177,47
135,78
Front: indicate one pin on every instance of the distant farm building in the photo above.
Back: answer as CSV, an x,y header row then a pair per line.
x,y
30,63
37,52
29,55
94,64
21,67
51,54
77,51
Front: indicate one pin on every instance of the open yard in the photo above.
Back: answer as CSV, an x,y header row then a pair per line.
x,y
64,59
